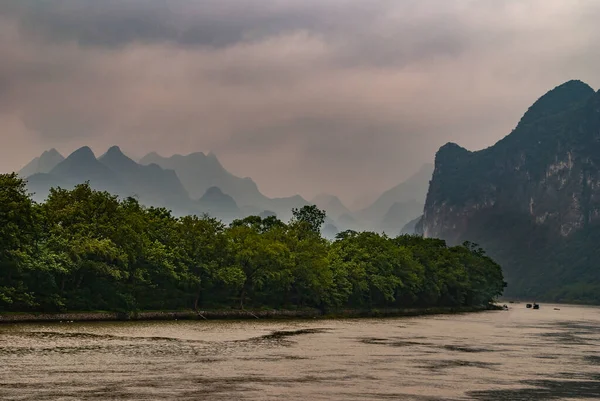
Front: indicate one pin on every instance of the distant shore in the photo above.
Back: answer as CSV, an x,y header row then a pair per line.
x,y
223,314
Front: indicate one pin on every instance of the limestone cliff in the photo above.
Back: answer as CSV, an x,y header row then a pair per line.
x,y
534,193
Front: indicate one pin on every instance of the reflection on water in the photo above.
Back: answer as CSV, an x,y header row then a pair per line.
x,y
521,354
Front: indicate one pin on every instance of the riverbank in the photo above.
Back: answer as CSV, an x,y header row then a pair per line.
x,y
232,314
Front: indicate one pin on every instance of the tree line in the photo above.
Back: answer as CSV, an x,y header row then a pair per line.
x,y
85,250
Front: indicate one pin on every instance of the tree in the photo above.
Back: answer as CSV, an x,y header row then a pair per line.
x,y
89,250
203,245
310,216
260,259
18,232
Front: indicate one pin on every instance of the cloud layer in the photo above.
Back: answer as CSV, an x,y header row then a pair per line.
x,y
305,96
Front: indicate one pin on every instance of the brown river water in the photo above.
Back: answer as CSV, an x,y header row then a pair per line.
x,y
520,354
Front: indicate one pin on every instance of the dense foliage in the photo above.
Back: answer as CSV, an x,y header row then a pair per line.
x,y
88,250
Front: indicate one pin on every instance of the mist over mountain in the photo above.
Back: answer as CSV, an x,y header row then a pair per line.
x,y
198,183
42,164
331,204
80,166
152,184
400,214
116,173
532,200
397,206
412,227
216,203
199,172
158,186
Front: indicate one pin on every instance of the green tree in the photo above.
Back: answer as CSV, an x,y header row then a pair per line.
x,y
310,216
18,232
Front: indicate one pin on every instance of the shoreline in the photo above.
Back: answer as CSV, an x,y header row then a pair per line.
x,y
225,314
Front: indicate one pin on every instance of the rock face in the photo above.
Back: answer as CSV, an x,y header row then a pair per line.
x,y
532,200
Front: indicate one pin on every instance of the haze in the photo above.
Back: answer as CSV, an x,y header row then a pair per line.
x,y
306,96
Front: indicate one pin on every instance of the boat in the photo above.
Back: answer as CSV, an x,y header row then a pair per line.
x,y
536,306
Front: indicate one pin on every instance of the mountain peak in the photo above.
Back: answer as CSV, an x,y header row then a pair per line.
x,y
214,191
115,159
82,153
42,164
51,153
197,155
559,99
114,150
153,155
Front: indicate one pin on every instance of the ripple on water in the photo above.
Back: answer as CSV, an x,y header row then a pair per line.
x,y
542,390
488,356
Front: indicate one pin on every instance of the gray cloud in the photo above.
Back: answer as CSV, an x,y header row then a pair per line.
x,y
344,96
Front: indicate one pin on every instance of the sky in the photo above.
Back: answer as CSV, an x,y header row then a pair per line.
x,y
348,97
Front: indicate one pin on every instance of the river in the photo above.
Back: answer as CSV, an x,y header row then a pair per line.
x,y
520,354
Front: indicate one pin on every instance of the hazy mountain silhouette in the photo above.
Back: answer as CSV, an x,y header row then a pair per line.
x,y
199,172
152,184
411,227
348,222
217,203
399,215
401,203
79,167
118,174
332,205
42,164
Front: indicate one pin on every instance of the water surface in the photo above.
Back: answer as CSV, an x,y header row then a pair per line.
x,y
520,354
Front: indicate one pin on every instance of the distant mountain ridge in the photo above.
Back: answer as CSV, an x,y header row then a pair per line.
x,y
198,172
118,174
198,183
42,164
334,207
216,203
397,206
154,183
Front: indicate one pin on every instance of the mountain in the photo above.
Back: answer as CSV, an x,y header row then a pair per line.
x,y
199,172
118,174
410,193
283,206
151,184
79,167
332,205
412,227
532,200
400,214
216,203
42,164
82,165
347,222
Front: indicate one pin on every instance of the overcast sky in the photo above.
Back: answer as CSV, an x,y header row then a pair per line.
x,y
304,96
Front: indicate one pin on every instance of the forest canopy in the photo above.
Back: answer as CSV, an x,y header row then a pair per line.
x,y
85,250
